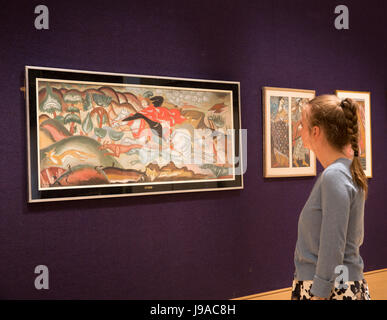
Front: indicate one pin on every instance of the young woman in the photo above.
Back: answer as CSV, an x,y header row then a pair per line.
x,y
331,224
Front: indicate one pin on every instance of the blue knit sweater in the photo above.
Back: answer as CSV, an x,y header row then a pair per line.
x,y
330,229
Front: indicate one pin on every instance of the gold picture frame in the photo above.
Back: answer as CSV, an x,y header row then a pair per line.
x,y
363,98
283,152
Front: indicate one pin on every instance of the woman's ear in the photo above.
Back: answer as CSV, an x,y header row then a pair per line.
x,y
316,131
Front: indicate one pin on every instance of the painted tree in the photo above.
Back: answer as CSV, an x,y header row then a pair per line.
x,y
115,135
72,97
51,103
103,103
87,124
72,117
100,133
86,103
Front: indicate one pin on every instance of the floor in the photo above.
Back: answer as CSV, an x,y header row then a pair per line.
x,y
377,283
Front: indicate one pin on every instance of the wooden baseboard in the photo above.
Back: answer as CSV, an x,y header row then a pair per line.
x,y
377,283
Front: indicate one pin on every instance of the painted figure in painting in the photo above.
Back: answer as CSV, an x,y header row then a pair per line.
x,y
154,114
301,156
279,119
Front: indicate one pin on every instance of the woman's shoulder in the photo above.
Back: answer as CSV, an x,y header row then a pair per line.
x,y
340,167
339,173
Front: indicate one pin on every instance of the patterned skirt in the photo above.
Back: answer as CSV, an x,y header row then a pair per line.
x,y
354,290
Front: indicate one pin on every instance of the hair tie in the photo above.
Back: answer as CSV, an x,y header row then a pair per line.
x,y
356,153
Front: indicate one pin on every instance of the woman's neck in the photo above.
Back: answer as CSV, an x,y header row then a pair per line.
x,y
326,156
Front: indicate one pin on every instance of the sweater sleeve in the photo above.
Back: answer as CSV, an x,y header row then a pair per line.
x,y
335,203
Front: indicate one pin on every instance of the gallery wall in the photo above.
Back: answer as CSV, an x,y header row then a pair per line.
x,y
204,245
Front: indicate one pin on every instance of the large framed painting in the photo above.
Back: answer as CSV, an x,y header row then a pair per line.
x,y
284,154
98,135
363,100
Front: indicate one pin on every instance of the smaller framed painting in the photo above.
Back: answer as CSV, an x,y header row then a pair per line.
x,y
284,154
363,100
